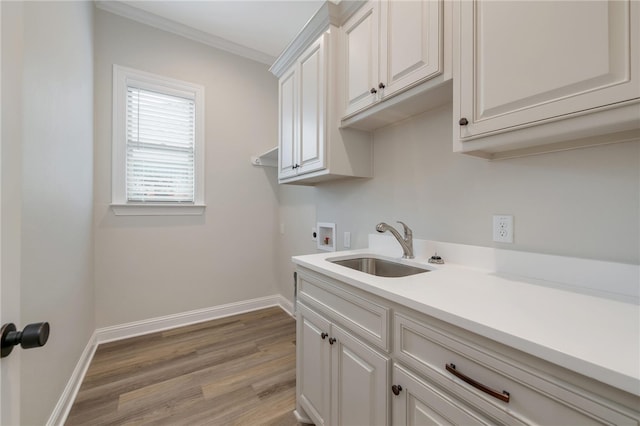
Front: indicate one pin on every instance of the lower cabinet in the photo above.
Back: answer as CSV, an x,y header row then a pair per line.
x,y
348,339
497,383
313,365
340,379
417,402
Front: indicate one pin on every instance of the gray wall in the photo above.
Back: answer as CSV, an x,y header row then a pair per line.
x,y
582,203
297,217
147,267
11,204
49,172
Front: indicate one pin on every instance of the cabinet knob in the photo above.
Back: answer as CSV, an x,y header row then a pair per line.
x,y
396,389
332,340
463,121
323,335
373,91
381,86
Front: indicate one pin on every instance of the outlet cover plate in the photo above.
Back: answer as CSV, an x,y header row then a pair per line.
x,y
503,228
347,240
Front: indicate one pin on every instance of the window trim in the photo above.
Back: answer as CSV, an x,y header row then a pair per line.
x,y
119,204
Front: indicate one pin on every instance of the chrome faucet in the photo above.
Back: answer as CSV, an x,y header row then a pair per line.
x,y
406,242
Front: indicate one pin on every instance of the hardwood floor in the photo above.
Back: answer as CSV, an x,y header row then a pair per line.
x,y
235,370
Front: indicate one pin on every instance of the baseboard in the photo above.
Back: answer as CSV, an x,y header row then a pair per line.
x,y
61,410
302,419
138,328
286,306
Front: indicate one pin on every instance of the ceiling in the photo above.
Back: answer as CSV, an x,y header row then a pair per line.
x,y
257,29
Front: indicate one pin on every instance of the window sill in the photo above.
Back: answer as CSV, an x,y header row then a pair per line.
x,y
158,209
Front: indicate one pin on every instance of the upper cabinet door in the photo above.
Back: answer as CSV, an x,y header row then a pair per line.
x,y
312,120
287,123
361,45
526,62
411,37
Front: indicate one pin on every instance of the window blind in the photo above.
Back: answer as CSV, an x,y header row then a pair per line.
x,y
160,154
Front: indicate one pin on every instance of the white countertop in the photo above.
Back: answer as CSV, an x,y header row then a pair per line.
x,y
591,335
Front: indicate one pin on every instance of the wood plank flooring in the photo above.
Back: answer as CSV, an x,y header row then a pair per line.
x,y
236,370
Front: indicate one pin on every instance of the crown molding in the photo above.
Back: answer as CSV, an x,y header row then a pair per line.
x,y
153,20
328,14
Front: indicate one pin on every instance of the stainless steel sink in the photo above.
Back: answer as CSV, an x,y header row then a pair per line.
x,y
380,267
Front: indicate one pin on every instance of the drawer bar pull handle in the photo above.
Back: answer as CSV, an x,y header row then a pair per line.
x,y
503,396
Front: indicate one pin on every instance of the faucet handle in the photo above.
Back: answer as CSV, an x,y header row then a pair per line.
x,y
407,231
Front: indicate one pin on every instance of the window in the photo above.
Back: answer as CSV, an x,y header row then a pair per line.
x,y
158,145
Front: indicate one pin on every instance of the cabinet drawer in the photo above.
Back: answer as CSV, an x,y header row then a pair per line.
x,y
364,317
418,402
533,396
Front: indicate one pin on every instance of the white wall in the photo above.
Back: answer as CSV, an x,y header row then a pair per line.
x,y
11,204
583,203
48,170
297,217
147,267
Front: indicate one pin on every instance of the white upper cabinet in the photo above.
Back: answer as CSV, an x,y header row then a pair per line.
x,y
411,33
302,113
391,47
361,43
538,76
312,147
313,99
288,92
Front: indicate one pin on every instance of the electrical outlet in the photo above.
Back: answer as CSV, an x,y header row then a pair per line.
x,y
503,228
314,234
347,240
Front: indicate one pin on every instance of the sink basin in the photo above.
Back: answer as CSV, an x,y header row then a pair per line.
x,y
380,267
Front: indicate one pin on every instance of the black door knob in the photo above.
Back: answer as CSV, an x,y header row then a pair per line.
x,y
332,340
381,86
463,121
33,336
373,91
323,335
396,389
